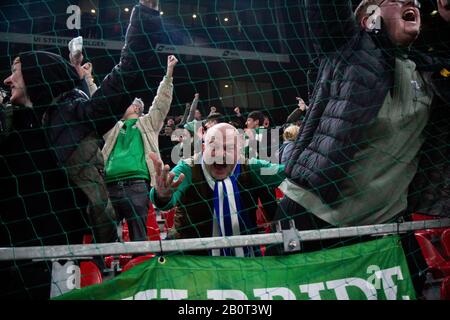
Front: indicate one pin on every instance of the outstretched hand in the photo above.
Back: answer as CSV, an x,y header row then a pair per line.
x,y
165,185
444,9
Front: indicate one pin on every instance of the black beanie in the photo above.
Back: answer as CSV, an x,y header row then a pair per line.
x,y
47,75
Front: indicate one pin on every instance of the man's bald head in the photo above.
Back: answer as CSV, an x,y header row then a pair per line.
x,y
222,150
224,129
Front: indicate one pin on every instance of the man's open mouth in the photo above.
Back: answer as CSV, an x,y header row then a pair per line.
x,y
410,15
219,166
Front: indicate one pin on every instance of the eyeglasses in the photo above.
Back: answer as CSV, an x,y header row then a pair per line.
x,y
415,3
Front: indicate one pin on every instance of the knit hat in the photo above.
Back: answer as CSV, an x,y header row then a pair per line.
x,y
47,76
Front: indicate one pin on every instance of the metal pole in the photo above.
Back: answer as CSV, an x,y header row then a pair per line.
x,y
106,249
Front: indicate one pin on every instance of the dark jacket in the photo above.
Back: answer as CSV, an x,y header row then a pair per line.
x,y
355,75
286,151
194,217
38,204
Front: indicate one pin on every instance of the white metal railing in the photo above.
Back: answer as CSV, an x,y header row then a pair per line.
x,y
290,241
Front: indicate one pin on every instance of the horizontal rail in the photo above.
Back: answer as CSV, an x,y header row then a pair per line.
x,y
144,247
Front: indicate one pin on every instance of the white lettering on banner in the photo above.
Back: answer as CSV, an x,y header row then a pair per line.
x,y
390,288
226,294
340,288
313,290
144,295
172,294
269,293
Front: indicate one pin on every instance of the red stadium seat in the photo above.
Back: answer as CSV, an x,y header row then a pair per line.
x,y
87,238
169,217
90,274
279,193
109,261
439,267
125,232
153,232
445,289
421,217
124,259
137,261
445,240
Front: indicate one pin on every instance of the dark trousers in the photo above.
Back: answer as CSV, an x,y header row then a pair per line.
x,y
305,220
84,167
130,199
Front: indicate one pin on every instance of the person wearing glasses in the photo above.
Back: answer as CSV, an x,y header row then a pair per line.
x,y
374,145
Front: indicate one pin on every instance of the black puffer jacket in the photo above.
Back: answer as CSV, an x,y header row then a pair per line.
x,y
355,75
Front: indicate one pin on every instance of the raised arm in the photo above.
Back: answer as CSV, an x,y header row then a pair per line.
x,y
331,23
89,79
239,117
193,108
109,102
185,115
163,99
297,113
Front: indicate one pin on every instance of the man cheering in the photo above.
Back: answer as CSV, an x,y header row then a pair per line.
x,y
215,195
128,170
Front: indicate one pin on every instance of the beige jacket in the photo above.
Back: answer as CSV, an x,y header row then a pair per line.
x,y
149,125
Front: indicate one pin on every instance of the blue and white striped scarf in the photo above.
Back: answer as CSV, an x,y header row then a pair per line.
x,y
228,220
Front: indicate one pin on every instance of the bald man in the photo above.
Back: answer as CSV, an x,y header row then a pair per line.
x,y
213,194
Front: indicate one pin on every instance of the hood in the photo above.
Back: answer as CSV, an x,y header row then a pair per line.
x,y
47,75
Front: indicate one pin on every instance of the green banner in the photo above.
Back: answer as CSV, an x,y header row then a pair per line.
x,y
374,270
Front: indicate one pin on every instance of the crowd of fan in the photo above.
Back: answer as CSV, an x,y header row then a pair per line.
x,y
218,173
